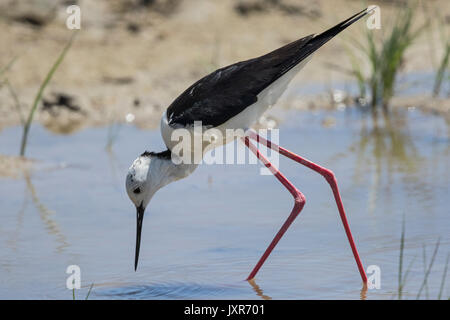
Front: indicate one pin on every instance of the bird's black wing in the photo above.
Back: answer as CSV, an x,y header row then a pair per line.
x,y
226,92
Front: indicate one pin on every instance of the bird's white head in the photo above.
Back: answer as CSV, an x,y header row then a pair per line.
x,y
150,172
138,182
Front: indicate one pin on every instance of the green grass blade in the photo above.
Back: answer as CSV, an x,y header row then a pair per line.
x,y
441,71
405,277
89,292
436,248
8,66
384,53
441,289
47,79
400,265
424,260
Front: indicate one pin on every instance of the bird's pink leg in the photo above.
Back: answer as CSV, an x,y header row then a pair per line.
x,y
299,202
331,179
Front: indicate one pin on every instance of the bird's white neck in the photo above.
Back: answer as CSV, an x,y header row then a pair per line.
x,y
165,171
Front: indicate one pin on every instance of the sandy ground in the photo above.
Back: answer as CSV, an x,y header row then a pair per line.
x,y
136,61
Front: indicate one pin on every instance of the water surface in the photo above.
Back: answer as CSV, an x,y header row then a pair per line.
x,y
203,235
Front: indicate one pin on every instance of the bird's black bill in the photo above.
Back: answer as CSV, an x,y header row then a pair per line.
x,y
139,218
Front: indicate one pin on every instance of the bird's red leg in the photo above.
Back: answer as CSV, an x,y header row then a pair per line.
x,y
299,202
331,179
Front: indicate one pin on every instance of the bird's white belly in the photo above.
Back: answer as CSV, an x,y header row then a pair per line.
x,y
226,132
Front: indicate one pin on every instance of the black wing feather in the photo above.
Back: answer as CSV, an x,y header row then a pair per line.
x,y
226,92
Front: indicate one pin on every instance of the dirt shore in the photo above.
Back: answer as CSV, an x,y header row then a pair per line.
x,y
134,59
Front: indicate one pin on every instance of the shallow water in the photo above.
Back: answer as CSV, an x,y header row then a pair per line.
x,y
202,235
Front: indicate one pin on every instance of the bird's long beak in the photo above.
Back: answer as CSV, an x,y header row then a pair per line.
x,y
139,218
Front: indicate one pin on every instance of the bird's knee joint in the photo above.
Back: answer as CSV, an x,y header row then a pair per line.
x,y
300,199
329,175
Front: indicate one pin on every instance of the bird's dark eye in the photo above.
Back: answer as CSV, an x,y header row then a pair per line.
x,y
137,190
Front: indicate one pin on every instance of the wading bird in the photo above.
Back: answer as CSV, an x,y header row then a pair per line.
x,y
235,97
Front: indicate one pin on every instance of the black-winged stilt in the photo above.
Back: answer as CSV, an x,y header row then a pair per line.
x,y
234,97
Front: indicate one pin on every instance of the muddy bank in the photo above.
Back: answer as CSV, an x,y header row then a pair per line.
x,y
134,57
13,167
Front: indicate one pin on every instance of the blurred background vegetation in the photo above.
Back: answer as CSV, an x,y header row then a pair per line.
x,y
136,56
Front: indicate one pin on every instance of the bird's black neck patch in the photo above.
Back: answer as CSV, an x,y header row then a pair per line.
x,y
167,155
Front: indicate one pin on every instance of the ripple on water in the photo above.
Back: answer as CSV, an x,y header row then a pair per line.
x,y
172,290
